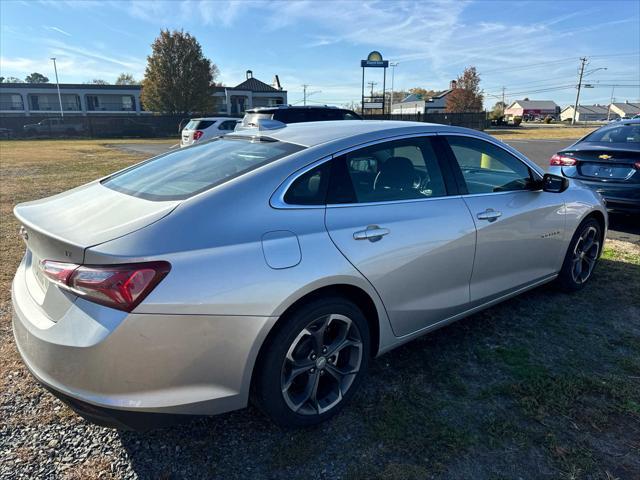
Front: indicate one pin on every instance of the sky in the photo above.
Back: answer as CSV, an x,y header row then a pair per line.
x,y
531,48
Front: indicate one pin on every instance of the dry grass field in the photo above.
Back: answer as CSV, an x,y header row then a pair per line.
x,y
544,386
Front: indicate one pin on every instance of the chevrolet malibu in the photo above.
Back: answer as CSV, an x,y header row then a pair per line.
x,y
272,264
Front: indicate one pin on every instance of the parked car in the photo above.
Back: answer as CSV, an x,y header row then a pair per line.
x,y
273,264
295,114
607,161
55,126
200,129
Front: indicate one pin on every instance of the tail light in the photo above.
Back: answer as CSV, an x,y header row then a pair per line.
x,y
637,165
197,135
562,160
117,286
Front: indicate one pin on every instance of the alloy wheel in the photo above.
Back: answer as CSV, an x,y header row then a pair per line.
x,y
585,255
321,364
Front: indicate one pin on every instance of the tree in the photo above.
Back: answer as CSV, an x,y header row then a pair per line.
x,y
423,93
126,79
466,97
178,77
498,110
36,77
13,80
97,81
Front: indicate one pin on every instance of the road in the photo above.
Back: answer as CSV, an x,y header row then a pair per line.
x,y
622,227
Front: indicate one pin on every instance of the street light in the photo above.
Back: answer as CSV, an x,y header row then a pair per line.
x,y
393,66
58,86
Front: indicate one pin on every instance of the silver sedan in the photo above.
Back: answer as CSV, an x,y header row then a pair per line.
x,y
272,264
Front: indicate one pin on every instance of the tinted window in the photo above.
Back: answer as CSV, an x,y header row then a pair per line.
x,y
228,125
487,168
293,115
310,188
199,124
347,115
398,170
618,134
183,173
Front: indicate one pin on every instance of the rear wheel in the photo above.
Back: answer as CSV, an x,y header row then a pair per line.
x,y
313,363
582,256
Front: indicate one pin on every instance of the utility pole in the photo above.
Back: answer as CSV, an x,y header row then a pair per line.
x,y
304,94
58,87
372,84
583,63
504,105
613,89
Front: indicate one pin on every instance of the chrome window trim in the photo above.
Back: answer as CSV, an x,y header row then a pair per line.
x,y
277,199
501,145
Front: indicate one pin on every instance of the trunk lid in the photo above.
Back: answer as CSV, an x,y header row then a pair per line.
x,y
63,226
603,162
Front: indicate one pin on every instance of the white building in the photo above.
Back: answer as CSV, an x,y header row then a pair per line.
x,y
588,113
90,99
626,109
414,104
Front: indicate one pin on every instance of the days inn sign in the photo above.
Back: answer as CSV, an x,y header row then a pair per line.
x,y
374,59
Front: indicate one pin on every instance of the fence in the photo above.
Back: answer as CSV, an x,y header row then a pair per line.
x,y
96,126
151,125
475,120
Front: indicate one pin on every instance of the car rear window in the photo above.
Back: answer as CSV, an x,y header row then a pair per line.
x,y
199,124
186,172
629,133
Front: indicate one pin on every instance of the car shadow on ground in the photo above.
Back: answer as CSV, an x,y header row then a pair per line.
x,y
539,386
625,224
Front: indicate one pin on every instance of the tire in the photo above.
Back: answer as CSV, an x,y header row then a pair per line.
x,y
294,363
579,262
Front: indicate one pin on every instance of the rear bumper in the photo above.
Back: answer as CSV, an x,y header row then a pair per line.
x,y
618,196
109,364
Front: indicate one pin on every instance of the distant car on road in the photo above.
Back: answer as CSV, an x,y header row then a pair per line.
x,y
54,127
607,161
200,129
295,114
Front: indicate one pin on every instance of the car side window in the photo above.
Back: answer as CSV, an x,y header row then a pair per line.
x,y
397,170
487,168
310,188
228,125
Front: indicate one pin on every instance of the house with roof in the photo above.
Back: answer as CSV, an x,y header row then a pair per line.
x,y
626,109
531,109
250,93
414,103
588,113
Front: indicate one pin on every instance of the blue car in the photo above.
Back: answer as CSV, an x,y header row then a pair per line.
x,y
608,161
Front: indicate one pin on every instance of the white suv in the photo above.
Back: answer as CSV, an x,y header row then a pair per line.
x,y
199,129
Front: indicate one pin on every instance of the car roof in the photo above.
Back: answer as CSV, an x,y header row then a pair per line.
x,y
214,118
294,107
309,134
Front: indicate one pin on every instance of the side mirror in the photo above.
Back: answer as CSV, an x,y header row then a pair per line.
x,y
554,183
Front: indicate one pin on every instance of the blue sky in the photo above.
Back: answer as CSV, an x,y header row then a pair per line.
x,y
530,47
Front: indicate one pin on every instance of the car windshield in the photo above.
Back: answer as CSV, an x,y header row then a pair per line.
x,y
184,173
629,133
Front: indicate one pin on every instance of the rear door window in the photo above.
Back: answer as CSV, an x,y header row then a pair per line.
x,y
186,172
293,115
397,170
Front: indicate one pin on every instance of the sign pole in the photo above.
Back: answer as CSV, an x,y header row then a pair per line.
x,y
362,104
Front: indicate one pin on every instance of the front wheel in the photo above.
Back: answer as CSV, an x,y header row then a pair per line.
x,y
313,363
582,256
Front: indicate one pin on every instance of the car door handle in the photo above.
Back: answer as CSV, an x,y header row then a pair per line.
x,y
373,233
489,214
